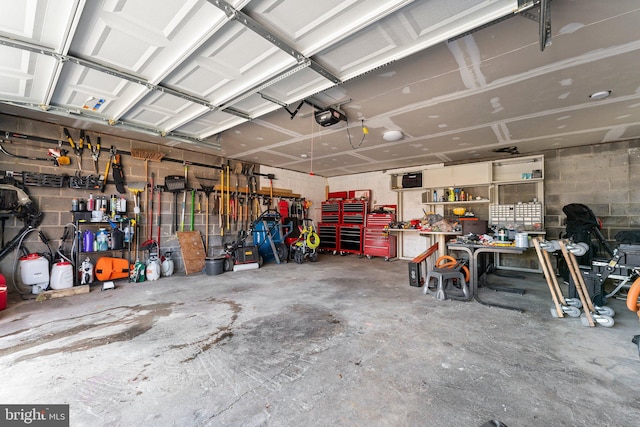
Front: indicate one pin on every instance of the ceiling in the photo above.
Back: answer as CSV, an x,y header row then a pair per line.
x,y
243,79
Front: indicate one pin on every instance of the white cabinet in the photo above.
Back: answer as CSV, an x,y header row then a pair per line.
x,y
457,175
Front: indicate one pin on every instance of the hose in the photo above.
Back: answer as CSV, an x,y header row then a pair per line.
x,y
632,297
313,240
72,260
452,262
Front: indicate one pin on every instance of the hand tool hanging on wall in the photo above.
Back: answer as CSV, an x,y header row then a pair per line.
x,y
74,147
112,155
59,156
118,173
81,146
53,158
95,152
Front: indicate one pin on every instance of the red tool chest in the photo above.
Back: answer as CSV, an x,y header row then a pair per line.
x,y
377,239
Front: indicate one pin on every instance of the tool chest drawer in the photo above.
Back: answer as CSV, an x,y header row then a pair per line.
x,y
328,234
331,211
350,237
380,220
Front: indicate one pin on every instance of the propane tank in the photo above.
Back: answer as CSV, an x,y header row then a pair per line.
x,y
153,267
86,272
167,264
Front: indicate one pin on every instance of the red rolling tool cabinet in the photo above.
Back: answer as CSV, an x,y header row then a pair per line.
x,y
377,240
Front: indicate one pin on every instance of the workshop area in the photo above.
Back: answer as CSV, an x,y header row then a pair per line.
x,y
344,341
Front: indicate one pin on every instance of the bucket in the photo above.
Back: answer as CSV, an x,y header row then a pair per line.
x,y
522,240
214,266
61,275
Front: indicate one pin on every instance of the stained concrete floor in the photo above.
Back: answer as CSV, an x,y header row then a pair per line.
x,y
341,342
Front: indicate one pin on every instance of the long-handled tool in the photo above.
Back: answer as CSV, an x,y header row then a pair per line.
x,y
150,211
174,184
207,189
159,214
55,158
221,202
184,198
228,200
136,188
74,146
192,216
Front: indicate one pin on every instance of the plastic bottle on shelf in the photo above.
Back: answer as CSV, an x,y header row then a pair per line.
x,y
113,205
102,237
91,203
122,205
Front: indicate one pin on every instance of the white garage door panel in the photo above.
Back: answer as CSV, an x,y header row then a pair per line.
x,y
157,34
236,60
42,22
24,74
317,24
160,109
77,84
210,124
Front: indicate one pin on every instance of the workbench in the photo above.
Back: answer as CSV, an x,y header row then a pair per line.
x,y
474,251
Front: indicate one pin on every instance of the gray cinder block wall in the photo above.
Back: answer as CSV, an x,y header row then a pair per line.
x,y
55,203
605,177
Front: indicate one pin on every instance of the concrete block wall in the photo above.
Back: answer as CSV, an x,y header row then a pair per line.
x,y
605,177
55,203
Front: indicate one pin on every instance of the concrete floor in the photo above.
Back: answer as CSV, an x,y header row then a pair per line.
x,y
341,342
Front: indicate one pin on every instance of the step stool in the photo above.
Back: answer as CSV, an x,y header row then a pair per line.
x,y
445,278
